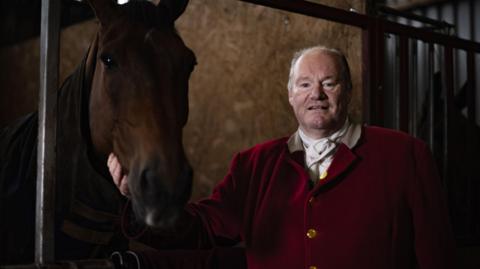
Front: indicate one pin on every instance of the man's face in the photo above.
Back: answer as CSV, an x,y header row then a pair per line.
x,y
319,97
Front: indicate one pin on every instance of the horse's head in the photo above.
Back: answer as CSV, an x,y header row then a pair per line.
x,y
139,102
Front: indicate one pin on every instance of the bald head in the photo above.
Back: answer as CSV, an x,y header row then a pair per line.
x,y
344,69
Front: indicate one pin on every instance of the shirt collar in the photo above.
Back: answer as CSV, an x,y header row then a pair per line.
x,y
350,139
335,137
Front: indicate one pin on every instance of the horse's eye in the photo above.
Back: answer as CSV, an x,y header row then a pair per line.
x,y
108,61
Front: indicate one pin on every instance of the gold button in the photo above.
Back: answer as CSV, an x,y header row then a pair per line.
x,y
324,175
311,233
312,267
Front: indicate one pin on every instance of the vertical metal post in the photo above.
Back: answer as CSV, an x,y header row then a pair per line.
x,y
373,73
404,84
471,96
431,97
472,183
45,201
448,105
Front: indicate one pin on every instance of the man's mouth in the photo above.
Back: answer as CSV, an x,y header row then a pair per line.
x,y
318,107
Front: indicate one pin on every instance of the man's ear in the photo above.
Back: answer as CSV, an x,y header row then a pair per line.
x,y
290,96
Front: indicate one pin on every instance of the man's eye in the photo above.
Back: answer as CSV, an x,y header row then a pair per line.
x,y
305,85
329,85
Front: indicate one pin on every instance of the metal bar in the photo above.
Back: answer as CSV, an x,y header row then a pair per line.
x,y
409,5
471,8
414,85
472,183
431,97
471,85
379,86
431,37
415,17
404,85
448,108
317,11
395,86
368,78
373,96
364,21
45,201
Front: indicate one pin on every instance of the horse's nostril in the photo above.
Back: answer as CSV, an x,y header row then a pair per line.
x,y
147,179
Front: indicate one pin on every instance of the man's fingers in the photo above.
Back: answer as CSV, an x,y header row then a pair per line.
x,y
117,172
110,163
115,169
124,186
119,179
110,158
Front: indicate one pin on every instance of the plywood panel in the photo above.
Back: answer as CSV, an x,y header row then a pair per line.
x,y
20,63
238,91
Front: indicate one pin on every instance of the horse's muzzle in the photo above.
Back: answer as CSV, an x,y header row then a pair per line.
x,y
158,205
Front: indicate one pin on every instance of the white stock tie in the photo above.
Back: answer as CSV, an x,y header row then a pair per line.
x,y
319,153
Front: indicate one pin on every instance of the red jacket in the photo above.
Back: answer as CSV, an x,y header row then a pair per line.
x,y
381,206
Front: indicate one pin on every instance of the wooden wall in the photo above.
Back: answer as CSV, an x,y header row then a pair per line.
x,y
238,91
238,94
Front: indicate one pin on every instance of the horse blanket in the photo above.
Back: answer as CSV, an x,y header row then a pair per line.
x,y
88,204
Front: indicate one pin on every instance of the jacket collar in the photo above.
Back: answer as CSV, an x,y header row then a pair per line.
x,y
350,139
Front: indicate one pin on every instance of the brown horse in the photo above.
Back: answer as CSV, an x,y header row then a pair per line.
x,y
139,104
129,96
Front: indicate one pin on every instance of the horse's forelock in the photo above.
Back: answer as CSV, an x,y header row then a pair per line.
x,y
147,13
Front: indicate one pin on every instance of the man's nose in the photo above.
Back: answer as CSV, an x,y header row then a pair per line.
x,y
318,93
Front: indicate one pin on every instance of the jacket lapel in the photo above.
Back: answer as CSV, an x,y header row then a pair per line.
x,y
344,158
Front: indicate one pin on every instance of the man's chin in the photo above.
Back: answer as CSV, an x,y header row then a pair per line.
x,y
321,127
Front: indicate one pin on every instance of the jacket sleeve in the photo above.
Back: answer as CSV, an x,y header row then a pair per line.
x,y
433,236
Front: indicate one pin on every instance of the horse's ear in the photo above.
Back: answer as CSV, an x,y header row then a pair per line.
x,y
175,8
105,10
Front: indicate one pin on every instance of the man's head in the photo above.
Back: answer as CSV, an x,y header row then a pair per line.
x,y
319,90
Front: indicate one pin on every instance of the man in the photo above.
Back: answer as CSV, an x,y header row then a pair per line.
x,y
333,195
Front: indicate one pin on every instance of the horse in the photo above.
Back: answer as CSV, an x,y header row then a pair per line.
x,y
129,96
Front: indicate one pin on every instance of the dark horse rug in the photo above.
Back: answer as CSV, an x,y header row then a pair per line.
x,y
88,205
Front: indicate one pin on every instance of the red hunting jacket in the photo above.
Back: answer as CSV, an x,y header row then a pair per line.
x,y
381,206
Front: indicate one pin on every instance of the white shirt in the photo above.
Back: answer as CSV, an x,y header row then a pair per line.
x,y
319,152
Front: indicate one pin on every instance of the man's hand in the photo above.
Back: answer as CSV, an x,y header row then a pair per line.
x,y
119,178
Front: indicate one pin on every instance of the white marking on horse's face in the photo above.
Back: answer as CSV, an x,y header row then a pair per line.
x,y
150,217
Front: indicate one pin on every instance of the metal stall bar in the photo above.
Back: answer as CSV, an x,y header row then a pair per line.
x,y
433,37
373,73
448,106
431,97
473,185
317,11
45,201
471,97
368,53
404,82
